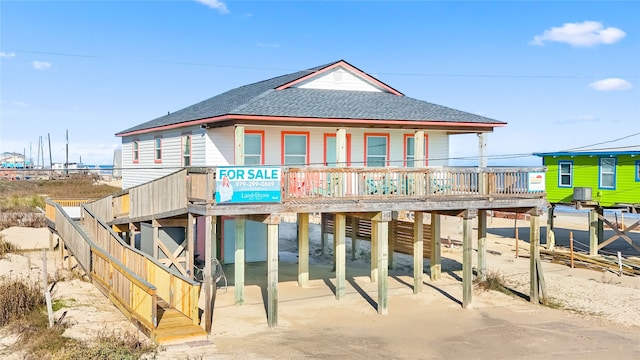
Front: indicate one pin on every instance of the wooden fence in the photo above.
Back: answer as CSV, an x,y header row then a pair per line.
x,y
400,233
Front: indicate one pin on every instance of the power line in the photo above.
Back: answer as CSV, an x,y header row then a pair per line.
x,y
604,142
451,75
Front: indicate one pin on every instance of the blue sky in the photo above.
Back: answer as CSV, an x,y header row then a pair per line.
x,y
561,74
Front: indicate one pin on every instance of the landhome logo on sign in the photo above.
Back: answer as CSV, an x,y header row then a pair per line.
x,y
536,181
239,184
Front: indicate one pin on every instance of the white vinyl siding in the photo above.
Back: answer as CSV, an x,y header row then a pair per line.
x,y
338,79
220,146
147,169
215,147
438,149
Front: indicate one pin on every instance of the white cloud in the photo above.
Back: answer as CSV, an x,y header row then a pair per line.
x,y
19,103
268,45
7,55
215,4
584,34
612,84
41,65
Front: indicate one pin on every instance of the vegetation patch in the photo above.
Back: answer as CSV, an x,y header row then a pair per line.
x,y
20,200
19,298
23,312
6,247
495,281
108,346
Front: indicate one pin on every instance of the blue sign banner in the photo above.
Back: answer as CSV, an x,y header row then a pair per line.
x,y
243,184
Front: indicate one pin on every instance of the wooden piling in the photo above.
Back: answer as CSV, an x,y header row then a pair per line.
x,y
571,248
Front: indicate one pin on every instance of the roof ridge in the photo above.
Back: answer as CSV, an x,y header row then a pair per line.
x,y
302,73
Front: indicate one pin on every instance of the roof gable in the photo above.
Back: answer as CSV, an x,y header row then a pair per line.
x,y
340,76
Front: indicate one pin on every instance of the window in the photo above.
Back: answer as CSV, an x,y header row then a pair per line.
x,y
330,157
409,151
157,144
376,148
136,151
253,147
637,170
607,173
186,149
565,173
295,147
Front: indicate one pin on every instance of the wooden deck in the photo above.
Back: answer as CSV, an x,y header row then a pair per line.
x,y
320,189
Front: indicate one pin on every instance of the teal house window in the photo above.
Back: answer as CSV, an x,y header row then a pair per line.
x,y
607,173
565,173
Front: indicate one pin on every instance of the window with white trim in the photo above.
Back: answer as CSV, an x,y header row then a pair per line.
x,y
136,151
186,149
157,146
637,170
376,151
252,148
295,150
607,173
565,173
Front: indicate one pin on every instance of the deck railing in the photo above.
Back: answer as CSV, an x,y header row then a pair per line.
x,y
129,291
363,183
161,196
371,183
178,291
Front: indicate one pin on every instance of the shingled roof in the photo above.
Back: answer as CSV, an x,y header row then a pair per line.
x,y
273,97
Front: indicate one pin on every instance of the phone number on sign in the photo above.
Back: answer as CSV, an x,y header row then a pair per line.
x,y
255,184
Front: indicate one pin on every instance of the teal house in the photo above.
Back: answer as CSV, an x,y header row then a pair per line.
x,y
604,178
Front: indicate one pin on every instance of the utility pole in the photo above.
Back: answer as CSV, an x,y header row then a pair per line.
x,y
50,158
39,142
66,165
42,150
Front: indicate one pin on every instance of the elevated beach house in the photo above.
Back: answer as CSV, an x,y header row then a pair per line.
x,y
595,179
211,183
606,178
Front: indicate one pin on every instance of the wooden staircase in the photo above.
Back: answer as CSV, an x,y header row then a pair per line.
x,y
174,327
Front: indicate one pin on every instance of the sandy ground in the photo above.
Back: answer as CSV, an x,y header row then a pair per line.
x,y
597,314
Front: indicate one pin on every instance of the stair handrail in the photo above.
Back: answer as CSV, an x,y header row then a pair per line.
x,y
150,321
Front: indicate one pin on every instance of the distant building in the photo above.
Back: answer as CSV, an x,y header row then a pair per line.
x,y
14,161
61,166
607,178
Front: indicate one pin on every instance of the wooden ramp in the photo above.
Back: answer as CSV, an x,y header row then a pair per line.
x,y
174,327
